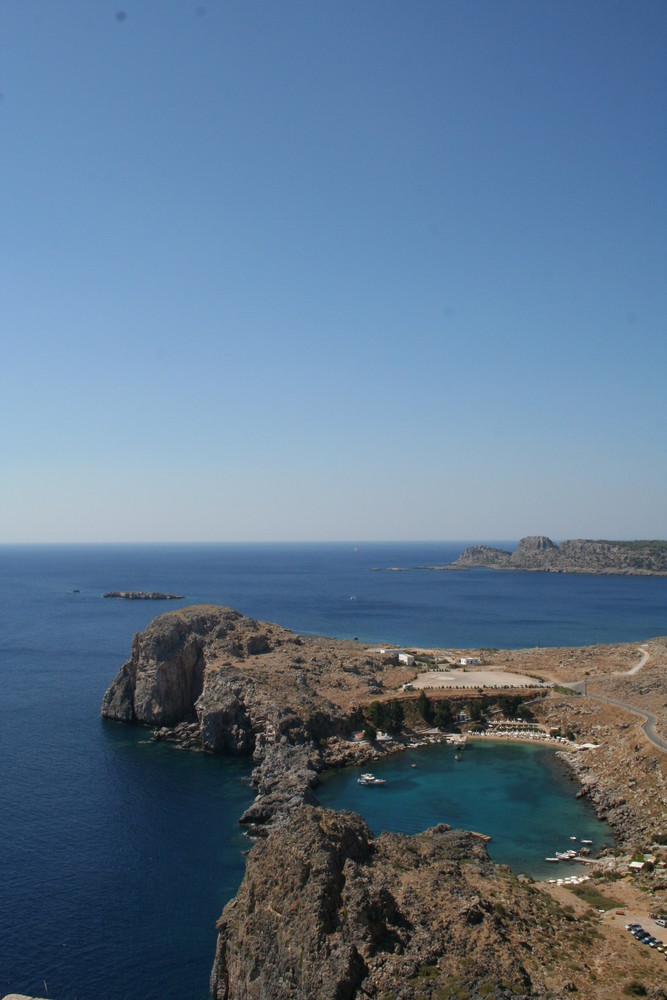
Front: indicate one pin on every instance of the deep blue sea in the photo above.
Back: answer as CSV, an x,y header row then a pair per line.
x,y
117,855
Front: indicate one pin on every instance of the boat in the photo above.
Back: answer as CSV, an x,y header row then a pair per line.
x,y
586,841
458,756
370,779
555,860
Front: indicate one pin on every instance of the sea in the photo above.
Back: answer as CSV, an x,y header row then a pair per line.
x,y
118,854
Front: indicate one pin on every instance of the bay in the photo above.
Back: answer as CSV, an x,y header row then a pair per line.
x,y
117,854
518,794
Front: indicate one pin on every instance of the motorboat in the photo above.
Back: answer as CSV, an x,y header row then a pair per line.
x,y
370,779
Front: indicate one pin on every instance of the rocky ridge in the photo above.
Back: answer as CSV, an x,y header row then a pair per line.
x,y
328,910
539,553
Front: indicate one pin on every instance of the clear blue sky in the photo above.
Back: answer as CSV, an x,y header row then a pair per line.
x,y
345,270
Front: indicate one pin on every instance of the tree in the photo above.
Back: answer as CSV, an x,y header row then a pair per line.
x,y
443,715
475,711
509,705
395,716
374,712
425,708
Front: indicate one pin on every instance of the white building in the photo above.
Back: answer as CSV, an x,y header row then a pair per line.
x,y
403,657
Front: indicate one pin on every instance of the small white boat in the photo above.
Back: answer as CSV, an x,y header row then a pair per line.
x,y
370,779
586,841
555,860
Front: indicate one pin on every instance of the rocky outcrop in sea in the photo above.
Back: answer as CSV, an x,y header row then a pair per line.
x,y
143,595
539,553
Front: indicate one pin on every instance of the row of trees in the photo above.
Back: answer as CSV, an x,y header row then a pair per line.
x,y
439,713
389,715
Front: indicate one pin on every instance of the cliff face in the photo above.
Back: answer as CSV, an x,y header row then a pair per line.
x,y
537,552
328,910
209,678
164,676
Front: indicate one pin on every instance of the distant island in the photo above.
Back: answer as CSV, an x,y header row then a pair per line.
x,y
143,595
539,553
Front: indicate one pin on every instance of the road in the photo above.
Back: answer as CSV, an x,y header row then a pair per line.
x,y
649,724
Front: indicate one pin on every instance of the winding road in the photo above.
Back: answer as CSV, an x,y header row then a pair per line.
x,y
649,724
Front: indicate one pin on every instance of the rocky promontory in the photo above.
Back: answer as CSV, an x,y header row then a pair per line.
x,y
208,678
142,595
326,909
539,553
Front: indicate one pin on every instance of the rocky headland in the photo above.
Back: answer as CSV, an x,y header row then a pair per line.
x,y
143,595
209,678
539,553
327,909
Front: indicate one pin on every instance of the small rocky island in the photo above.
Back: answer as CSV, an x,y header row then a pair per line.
x,y
143,595
539,553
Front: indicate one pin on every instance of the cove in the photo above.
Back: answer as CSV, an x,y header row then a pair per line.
x,y
521,795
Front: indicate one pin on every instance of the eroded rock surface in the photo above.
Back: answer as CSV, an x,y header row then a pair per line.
x,y
328,910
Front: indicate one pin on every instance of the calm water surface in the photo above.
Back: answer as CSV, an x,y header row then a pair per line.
x,y
520,795
117,854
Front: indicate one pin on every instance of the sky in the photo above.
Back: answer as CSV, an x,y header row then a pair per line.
x,y
366,270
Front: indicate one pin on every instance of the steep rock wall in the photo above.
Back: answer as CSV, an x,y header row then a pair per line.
x,y
328,910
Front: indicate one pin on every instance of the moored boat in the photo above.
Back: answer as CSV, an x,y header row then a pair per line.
x,y
370,779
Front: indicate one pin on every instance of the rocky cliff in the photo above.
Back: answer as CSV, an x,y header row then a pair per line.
x,y
211,679
537,552
328,910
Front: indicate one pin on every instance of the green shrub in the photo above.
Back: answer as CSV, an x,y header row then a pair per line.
x,y
635,989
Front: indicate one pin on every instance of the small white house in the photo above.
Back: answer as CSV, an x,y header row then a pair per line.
x,y
401,655
469,661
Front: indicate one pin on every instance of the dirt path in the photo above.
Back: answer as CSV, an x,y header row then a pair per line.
x,y
644,658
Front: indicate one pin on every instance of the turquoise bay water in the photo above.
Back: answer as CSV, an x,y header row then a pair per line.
x,y
519,794
117,854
